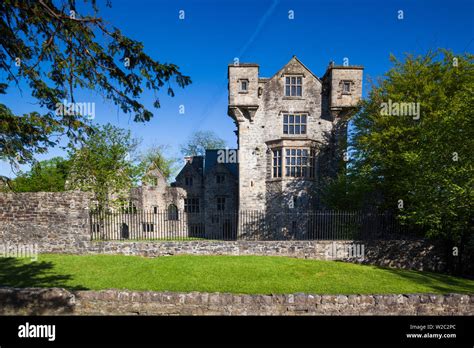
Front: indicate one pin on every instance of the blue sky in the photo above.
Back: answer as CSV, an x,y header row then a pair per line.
x,y
213,33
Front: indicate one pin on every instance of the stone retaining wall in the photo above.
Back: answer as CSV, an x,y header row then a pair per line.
x,y
55,301
413,254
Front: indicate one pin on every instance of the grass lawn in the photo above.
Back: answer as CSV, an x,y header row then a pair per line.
x,y
234,274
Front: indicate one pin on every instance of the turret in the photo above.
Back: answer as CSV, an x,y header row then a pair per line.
x,y
344,87
243,91
342,92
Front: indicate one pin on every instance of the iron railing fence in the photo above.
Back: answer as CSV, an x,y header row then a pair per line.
x,y
245,225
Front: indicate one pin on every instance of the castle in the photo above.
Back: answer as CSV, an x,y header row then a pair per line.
x,y
291,131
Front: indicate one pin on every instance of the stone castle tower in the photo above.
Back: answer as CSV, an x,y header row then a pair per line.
x,y
291,130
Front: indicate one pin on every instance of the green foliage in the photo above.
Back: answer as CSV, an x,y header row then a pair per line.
x,y
105,165
226,274
344,192
55,51
425,163
201,141
154,158
22,136
44,176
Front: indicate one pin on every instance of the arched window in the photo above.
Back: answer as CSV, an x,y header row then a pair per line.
x,y
172,212
124,231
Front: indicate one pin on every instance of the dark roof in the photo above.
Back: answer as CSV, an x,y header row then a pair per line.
x,y
198,163
211,161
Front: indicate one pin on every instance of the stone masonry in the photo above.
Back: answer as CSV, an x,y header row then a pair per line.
x,y
55,219
56,301
291,131
284,123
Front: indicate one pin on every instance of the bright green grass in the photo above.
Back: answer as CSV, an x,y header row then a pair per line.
x,y
234,274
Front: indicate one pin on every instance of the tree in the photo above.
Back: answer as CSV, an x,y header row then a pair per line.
x,y
22,136
346,191
154,158
201,141
56,50
44,176
105,165
420,164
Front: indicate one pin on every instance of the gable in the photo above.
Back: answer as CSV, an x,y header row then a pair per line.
x,y
188,169
220,168
295,67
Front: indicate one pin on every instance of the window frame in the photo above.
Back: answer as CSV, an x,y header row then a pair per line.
x,y
220,203
291,85
306,159
129,208
191,205
220,178
344,84
241,82
172,212
148,227
299,162
277,170
290,124
188,180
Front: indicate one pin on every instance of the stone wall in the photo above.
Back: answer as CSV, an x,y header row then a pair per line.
x,y
117,302
54,220
416,254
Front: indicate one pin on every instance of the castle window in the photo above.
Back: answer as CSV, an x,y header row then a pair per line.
x,y
220,203
277,163
191,205
294,124
173,212
129,208
188,181
244,84
293,86
299,163
346,87
155,210
148,227
153,181
220,178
